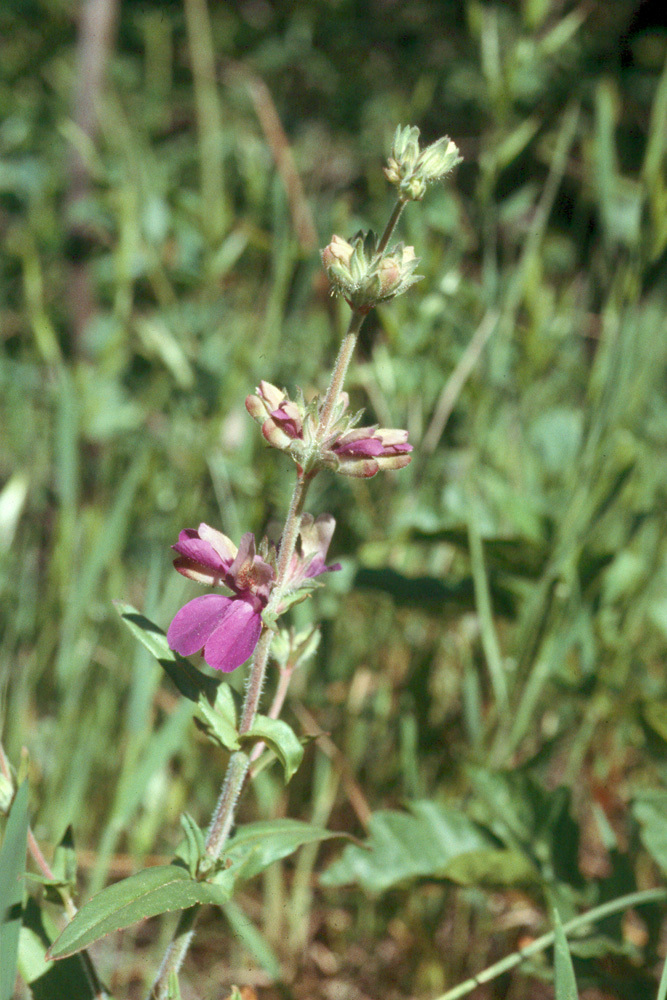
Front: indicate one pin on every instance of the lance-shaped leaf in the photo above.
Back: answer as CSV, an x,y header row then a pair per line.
x,y
566,984
281,738
148,893
12,867
218,721
258,845
189,681
170,887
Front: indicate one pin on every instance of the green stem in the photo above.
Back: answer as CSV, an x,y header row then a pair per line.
x,y
391,225
339,372
599,913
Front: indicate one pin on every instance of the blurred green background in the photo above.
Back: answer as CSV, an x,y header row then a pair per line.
x,y
168,171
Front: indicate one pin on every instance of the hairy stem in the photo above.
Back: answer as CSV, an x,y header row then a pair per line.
x,y
391,225
239,762
339,372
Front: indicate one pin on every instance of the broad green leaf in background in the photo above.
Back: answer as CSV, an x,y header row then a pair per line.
x,y
426,842
650,811
281,738
189,681
12,868
492,867
566,985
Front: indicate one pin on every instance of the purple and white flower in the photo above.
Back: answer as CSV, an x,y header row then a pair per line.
x,y
227,629
365,451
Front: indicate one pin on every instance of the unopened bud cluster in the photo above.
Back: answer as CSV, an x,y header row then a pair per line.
x,y
364,276
294,427
411,169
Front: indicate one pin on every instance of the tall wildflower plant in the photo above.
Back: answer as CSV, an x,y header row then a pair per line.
x,y
251,586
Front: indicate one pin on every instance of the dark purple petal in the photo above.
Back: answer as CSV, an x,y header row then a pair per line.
x,y
194,548
318,566
194,623
364,448
235,638
289,425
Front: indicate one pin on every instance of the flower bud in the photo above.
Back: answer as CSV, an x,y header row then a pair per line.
x,y
365,451
339,251
438,159
411,170
364,276
281,419
6,794
405,147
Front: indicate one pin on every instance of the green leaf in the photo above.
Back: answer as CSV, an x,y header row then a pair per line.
x,y
418,844
655,716
218,721
650,811
281,738
170,887
12,868
190,682
662,988
194,847
566,985
146,894
73,977
491,866
258,845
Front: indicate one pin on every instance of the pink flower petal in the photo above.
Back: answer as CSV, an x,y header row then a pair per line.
x,y
201,553
235,638
196,621
222,545
364,448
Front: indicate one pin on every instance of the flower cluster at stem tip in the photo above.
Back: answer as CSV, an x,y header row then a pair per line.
x,y
412,169
317,434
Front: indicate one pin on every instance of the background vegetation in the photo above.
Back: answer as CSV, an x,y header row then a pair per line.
x,y
497,639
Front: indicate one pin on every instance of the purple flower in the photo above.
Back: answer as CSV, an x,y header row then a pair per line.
x,y
364,451
226,628
281,419
309,558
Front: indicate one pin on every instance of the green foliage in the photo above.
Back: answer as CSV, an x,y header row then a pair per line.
x,y
163,888
494,648
12,868
424,843
145,894
566,984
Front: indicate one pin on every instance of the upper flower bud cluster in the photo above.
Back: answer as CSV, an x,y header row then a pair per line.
x,y
364,276
411,169
353,451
